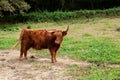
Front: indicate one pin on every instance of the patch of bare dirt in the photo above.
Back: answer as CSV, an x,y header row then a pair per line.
x,y
35,68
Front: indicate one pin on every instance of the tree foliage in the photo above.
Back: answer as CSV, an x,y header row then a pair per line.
x,y
12,7
53,5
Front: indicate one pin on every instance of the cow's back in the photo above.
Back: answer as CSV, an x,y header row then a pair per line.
x,y
35,38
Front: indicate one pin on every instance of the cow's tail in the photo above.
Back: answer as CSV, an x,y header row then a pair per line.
x,y
19,40
16,44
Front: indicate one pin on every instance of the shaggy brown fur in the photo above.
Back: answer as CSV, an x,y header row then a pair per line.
x,y
40,39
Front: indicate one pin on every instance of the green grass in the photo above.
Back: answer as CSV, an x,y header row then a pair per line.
x,y
7,43
102,73
93,73
80,44
93,50
98,50
87,35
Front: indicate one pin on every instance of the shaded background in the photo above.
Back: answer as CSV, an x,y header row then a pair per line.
x,y
52,5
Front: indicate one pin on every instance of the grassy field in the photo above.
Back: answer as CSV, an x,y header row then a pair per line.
x,y
96,40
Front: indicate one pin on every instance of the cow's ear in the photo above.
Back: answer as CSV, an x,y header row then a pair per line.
x,y
64,33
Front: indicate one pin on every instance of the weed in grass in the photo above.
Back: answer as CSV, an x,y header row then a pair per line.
x,y
2,65
31,61
27,75
118,29
87,35
11,61
108,26
43,67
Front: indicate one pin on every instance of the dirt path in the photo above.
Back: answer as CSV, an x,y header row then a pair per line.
x,y
35,69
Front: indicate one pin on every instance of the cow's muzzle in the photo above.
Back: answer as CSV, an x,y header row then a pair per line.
x,y
58,42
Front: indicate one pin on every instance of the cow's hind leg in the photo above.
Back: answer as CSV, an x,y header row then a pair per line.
x,y
23,51
21,54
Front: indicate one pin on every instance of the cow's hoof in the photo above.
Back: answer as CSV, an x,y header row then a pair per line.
x,y
53,61
20,59
26,58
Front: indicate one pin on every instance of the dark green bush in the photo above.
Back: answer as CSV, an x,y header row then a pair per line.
x,y
9,28
60,15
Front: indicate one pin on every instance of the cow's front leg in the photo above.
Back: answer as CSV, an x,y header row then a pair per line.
x,y
55,58
25,54
53,54
56,53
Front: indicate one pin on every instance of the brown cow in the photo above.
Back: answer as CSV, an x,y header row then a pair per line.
x,y
41,39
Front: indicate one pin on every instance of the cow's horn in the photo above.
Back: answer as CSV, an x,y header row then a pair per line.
x,y
51,30
67,28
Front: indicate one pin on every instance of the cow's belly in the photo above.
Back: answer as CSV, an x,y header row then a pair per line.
x,y
39,47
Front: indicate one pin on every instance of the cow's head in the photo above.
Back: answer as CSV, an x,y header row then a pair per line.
x,y
58,35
